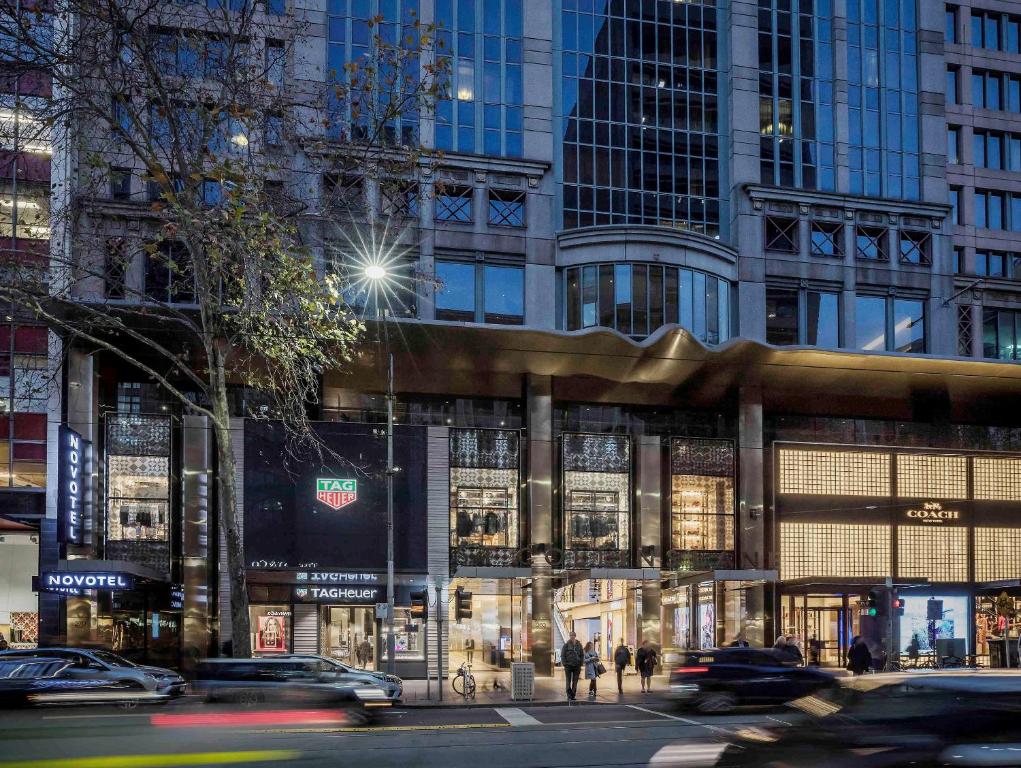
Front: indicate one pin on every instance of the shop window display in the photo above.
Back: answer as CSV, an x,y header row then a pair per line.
x,y
702,516
484,488
348,634
271,629
602,611
410,646
597,492
944,636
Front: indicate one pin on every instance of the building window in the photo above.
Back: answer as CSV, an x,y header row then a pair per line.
x,y
836,549
275,62
997,553
997,150
991,210
480,293
506,208
399,200
24,396
936,553
827,239
169,277
454,204
991,263
1001,334
636,299
782,234
951,23
915,247
484,488
115,268
796,46
891,324
996,90
702,494
955,205
802,316
994,31
964,330
649,154
24,210
276,7
953,144
870,243
120,183
274,130
953,79
934,476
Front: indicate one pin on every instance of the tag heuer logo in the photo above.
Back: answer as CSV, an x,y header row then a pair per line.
x,y
336,493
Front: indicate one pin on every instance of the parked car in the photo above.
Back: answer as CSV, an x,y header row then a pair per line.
x,y
393,685
34,680
954,718
719,679
286,681
95,664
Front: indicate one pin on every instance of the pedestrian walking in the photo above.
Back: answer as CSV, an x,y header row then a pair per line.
x,y
646,661
591,668
469,649
572,656
366,648
859,657
621,660
358,655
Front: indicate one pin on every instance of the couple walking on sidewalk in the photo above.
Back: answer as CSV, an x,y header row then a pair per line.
x,y
573,657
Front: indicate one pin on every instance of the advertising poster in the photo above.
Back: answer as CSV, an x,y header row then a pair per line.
x,y
271,636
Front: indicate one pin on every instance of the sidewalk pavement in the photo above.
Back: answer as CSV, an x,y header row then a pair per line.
x,y
548,691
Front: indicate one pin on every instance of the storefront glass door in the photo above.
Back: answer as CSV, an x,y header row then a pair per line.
x,y
348,634
822,625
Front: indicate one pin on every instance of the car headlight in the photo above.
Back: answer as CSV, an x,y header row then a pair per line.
x,y
370,694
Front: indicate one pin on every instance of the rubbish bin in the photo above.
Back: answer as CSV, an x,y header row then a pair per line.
x,y
522,681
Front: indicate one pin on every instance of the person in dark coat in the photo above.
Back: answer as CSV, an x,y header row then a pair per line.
x,y
859,657
591,668
646,661
621,660
793,651
572,655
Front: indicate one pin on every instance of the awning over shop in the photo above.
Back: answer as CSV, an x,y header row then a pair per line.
x,y
681,579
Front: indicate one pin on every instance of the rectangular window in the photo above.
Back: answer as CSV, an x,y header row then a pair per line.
x,y
1000,331
275,62
834,473
455,295
120,183
782,234
991,263
834,549
506,208
933,476
454,204
955,205
115,268
908,325
870,243
951,23
953,144
503,295
937,553
822,319
169,277
953,76
274,130
915,247
827,239
480,293
782,316
870,323
484,467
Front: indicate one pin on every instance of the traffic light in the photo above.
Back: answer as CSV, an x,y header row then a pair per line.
x,y
871,607
462,604
898,606
419,600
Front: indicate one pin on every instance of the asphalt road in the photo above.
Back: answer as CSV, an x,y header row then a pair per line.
x,y
188,734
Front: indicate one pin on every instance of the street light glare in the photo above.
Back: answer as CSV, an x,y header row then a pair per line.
x,y
375,272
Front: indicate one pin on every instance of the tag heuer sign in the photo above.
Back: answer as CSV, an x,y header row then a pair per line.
x,y
336,493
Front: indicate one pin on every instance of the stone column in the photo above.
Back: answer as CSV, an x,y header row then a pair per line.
x,y
539,409
751,544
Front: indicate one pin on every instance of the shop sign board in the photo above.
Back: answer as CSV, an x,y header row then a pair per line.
x,y
339,595
933,512
336,577
71,480
58,581
336,493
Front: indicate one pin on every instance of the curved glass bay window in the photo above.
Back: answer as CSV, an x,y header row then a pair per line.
x,y
636,299
701,495
484,488
597,493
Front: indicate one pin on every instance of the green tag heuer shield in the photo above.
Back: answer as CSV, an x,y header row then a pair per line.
x,y
336,493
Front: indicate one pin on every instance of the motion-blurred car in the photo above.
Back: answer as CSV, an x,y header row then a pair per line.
x,y
285,681
90,664
392,684
921,719
719,679
47,680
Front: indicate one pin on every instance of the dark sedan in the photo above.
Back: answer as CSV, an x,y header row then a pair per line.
x,y
893,721
717,680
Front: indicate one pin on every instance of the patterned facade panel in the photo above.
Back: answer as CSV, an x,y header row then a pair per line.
x,y
997,479
834,473
997,554
938,553
697,456
137,435
484,448
596,453
829,549
931,476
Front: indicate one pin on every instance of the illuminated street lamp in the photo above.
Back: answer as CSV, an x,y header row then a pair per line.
x,y
376,273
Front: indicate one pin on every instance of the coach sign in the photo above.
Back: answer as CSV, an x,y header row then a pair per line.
x,y
71,480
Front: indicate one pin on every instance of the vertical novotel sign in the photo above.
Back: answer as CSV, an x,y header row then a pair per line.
x,y
71,483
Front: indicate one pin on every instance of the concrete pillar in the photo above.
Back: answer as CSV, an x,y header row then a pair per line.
x,y
650,504
751,544
539,409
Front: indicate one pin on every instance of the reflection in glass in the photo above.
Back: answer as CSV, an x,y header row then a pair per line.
x,y
908,325
504,294
870,323
455,297
822,319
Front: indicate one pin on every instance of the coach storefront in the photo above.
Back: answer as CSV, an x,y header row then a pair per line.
x,y
316,543
938,530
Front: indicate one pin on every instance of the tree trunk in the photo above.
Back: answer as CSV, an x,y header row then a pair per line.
x,y
230,529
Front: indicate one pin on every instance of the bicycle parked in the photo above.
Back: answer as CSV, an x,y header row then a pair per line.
x,y
464,681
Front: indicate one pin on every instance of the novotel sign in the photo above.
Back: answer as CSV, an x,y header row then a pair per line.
x,y
71,480
107,580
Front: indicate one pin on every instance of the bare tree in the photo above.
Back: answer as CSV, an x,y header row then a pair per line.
x,y
193,237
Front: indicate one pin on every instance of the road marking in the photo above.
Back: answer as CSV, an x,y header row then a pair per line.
x,y
161,761
515,716
777,720
669,717
376,729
